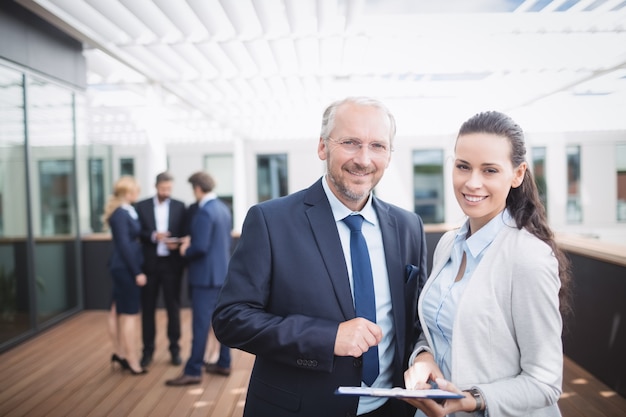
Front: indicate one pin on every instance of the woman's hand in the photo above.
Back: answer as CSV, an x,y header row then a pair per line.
x,y
423,370
433,408
141,280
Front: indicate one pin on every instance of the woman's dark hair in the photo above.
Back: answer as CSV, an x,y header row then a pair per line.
x,y
523,202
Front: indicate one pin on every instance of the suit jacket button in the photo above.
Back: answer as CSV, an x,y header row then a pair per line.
x,y
299,362
314,363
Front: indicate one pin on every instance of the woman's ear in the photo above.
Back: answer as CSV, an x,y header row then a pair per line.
x,y
520,173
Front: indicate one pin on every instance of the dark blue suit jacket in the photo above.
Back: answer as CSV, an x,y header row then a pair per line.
x,y
126,246
209,251
288,289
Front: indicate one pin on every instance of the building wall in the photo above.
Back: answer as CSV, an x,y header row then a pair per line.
x,y
33,43
598,182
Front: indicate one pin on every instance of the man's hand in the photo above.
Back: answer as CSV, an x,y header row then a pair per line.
x,y
184,244
356,336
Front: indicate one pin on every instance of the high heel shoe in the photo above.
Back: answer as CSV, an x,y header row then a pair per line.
x,y
122,362
133,372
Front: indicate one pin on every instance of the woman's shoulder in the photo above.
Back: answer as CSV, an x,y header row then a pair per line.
x,y
524,240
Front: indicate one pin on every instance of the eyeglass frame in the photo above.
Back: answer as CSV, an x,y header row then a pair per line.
x,y
358,145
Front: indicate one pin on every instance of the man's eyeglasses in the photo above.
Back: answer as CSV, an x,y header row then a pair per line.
x,y
353,146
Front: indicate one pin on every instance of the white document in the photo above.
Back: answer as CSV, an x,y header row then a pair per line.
x,y
397,392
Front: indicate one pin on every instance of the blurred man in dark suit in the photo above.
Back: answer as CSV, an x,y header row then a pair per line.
x,y
162,225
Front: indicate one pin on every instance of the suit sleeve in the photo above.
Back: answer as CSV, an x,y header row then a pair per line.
x,y
120,231
245,316
200,238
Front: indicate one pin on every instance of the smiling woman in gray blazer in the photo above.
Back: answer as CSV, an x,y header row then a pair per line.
x,y
492,307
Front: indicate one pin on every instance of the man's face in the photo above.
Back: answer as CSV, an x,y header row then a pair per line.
x,y
164,190
353,175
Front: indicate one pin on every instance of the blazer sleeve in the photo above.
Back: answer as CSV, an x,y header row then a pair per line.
x,y
537,325
119,223
244,317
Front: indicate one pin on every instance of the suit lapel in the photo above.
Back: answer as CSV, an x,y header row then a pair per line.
x,y
326,236
150,214
395,268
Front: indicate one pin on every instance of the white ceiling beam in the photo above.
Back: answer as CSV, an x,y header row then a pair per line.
x,y
273,17
308,53
211,14
127,21
218,58
284,53
159,69
154,18
607,6
329,20
243,17
195,60
239,56
93,19
263,57
354,10
580,6
301,15
184,18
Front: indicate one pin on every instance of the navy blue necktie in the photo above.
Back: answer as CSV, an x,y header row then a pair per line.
x,y
363,283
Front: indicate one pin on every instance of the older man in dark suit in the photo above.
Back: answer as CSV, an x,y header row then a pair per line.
x,y
162,221
298,296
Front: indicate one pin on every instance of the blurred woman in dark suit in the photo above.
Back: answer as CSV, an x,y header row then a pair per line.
x,y
125,268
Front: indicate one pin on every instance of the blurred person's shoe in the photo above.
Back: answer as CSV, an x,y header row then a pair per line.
x,y
213,368
141,372
176,360
183,380
146,360
121,361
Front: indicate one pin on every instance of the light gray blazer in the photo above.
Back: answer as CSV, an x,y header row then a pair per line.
x,y
507,331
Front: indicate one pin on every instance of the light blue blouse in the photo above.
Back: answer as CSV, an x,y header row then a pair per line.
x,y
442,298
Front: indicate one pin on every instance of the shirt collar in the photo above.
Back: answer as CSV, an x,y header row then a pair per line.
x,y
480,240
340,211
157,203
207,197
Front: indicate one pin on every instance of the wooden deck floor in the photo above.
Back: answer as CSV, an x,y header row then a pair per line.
x,y
65,372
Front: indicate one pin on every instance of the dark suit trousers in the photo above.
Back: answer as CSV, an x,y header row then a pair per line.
x,y
203,301
166,274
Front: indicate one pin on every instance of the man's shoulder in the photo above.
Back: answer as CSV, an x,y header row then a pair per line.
x,y
394,210
306,195
175,202
146,202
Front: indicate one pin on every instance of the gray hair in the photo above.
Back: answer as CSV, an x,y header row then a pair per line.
x,y
328,119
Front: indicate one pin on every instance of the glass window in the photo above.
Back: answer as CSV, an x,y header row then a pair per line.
x,y
621,182
428,185
220,167
14,289
96,193
127,166
55,183
574,207
271,176
539,171
51,141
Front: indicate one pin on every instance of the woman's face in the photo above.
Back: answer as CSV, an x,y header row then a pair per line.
x,y
483,175
133,195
